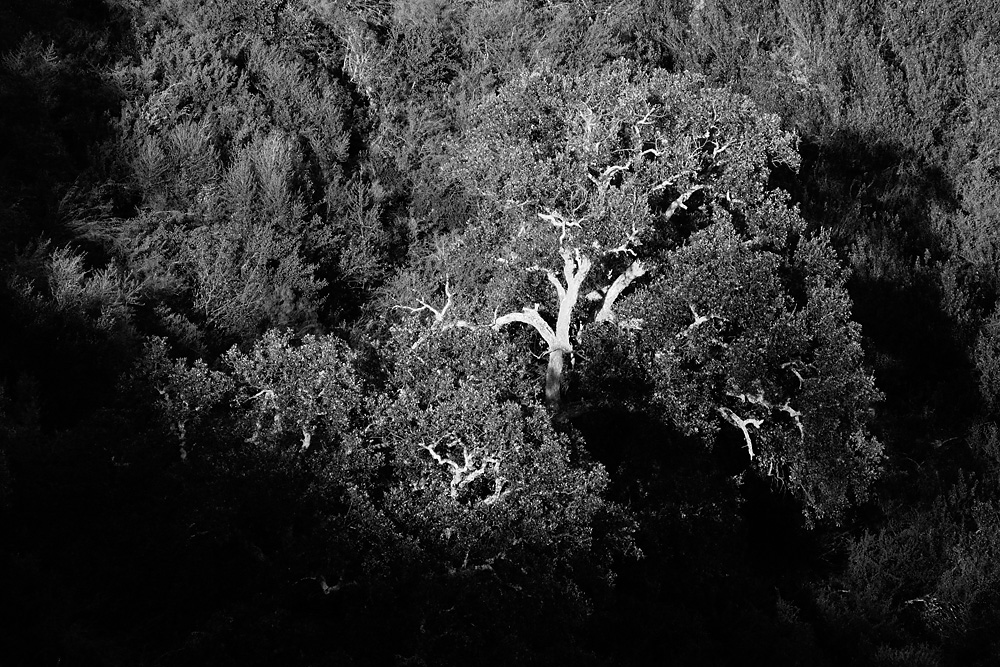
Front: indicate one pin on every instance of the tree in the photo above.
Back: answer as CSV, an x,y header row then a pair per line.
x,y
765,344
230,159
497,505
304,388
636,205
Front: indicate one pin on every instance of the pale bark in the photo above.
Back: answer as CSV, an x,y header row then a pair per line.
x,y
465,474
576,266
532,318
438,313
680,202
758,399
554,379
634,271
742,424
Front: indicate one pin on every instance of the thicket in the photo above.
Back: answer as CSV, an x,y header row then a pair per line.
x,y
422,332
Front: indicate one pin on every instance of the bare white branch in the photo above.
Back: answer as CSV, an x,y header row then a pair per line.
x,y
669,181
438,458
741,424
263,393
557,220
576,266
500,491
553,279
795,415
604,179
632,239
698,321
795,367
759,400
719,150
438,313
679,203
468,472
532,318
645,120
635,270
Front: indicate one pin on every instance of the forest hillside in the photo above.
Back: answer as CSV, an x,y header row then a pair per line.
x,y
499,332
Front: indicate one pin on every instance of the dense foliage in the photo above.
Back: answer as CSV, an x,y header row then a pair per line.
x,y
499,332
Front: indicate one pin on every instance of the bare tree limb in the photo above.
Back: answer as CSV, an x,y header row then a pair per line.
x,y
795,415
500,491
668,181
632,239
678,203
759,400
557,220
532,318
468,472
635,270
698,321
576,266
741,424
554,280
439,314
796,367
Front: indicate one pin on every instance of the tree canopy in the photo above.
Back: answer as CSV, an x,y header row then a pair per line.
x,y
635,205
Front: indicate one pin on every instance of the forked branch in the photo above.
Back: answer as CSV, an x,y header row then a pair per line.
x,y
576,266
439,314
759,400
741,424
558,221
464,474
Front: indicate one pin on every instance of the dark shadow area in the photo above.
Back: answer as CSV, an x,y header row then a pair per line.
x,y
716,551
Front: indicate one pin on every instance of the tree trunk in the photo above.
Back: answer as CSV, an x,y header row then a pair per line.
x,y
553,380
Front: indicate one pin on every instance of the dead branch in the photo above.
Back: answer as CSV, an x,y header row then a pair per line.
x,y
553,279
632,239
698,321
669,181
439,314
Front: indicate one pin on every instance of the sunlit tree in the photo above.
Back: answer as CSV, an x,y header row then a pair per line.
x,y
635,206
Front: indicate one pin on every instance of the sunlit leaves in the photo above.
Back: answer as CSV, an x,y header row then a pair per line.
x,y
764,338
307,389
482,478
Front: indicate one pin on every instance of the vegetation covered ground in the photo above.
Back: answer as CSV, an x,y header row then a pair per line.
x,y
499,332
